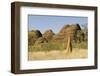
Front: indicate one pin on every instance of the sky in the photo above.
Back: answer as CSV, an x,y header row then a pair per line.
x,y
44,22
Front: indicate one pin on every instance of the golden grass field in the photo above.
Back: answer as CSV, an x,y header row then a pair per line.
x,y
54,54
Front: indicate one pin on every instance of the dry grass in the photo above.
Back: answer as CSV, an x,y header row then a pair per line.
x,y
54,54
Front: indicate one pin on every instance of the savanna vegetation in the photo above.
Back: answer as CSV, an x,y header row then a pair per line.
x,y
50,45
50,41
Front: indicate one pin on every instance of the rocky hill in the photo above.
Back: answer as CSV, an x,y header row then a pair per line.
x,y
65,31
33,36
48,34
36,37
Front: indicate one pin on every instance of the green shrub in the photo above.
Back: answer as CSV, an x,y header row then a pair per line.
x,y
46,47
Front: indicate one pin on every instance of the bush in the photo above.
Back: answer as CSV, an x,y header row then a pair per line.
x,y
46,47
81,45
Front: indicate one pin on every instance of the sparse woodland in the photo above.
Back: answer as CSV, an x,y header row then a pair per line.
x,y
49,40
51,45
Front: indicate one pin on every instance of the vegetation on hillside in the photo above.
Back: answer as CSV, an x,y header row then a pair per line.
x,y
47,41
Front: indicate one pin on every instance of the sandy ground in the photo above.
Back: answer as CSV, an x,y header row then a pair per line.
x,y
54,54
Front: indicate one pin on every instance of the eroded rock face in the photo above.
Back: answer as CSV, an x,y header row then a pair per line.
x,y
63,30
41,40
36,37
33,36
67,30
38,33
61,34
48,34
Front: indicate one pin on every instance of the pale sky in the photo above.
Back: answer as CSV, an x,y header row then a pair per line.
x,y
44,22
